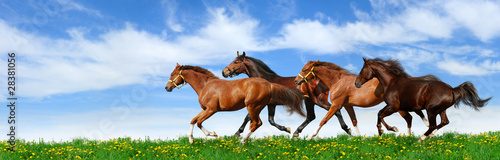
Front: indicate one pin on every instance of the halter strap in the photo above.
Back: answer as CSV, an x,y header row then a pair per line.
x,y
239,68
307,75
179,75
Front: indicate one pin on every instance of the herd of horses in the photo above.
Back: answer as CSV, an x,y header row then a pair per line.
x,y
378,81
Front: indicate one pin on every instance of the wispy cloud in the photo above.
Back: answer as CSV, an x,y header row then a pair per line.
x,y
67,5
172,15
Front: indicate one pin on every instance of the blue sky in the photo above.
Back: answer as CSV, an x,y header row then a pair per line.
x,y
98,69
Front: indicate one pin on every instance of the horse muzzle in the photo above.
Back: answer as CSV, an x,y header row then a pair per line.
x,y
358,84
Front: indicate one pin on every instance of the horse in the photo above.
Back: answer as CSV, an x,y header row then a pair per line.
x,y
314,92
407,94
344,93
215,95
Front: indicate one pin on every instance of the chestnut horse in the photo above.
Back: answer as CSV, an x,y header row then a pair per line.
x,y
215,94
344,93
315,92
407,94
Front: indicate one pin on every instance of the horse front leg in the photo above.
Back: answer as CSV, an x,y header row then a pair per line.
x,y
310,116
384,112
336,106
322,101
271,108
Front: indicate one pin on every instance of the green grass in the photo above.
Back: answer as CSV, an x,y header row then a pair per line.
x,y
388,146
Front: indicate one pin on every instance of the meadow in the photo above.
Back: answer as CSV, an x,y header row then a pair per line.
x,y
388,146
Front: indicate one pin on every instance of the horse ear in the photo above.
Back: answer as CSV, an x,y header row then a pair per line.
x,y
237,53
178,65
243,54
364,59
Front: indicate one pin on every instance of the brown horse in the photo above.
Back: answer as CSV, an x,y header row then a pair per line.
x,y
407,94
215,94
344,93
315,92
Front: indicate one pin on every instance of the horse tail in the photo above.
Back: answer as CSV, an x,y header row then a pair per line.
x,y
467,94
288,96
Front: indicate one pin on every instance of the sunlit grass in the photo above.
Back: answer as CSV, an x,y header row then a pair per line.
x,y
389,146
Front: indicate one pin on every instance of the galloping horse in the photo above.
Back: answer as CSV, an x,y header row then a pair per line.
x,y
344,93
315,92
215,94
407,94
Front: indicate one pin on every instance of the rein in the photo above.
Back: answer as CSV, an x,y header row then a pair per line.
x,y
307,75
233,71
179,75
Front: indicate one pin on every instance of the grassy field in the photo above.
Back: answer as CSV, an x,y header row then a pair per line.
x,y
388,146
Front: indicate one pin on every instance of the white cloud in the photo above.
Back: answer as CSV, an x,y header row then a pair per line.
x,y
477,16
427,22
120,56
466,68
72,5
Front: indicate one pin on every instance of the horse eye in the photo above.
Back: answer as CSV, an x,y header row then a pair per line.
x,y
234,62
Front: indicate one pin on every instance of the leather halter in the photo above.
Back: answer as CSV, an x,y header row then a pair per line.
x,y
182,77
239,68
307,75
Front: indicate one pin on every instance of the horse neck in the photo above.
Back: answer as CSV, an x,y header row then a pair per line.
x,y
328,76
254,70
196,80
383,76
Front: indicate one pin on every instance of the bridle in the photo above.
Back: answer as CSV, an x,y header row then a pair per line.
x,y
239,68
178,75
307,75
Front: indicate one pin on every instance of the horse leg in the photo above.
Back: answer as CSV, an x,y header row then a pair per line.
x,y
444,122
310,117
408,119
336,106
354,120
384,112
195,119
242,128
253,111
322,101
432,125
271,108
208,112
419,113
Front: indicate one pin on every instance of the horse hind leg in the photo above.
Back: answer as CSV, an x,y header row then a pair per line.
x,y
253,111
408,119
271,108
432,125
310,117
421,114
444,122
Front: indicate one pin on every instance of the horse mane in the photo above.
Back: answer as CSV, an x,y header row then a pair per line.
x,y
200,70
258,63
331,66
393,66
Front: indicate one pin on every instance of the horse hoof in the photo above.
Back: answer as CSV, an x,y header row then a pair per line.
x,y
288,130
236,135
191,141
295,135
394,129
349,131
214,134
